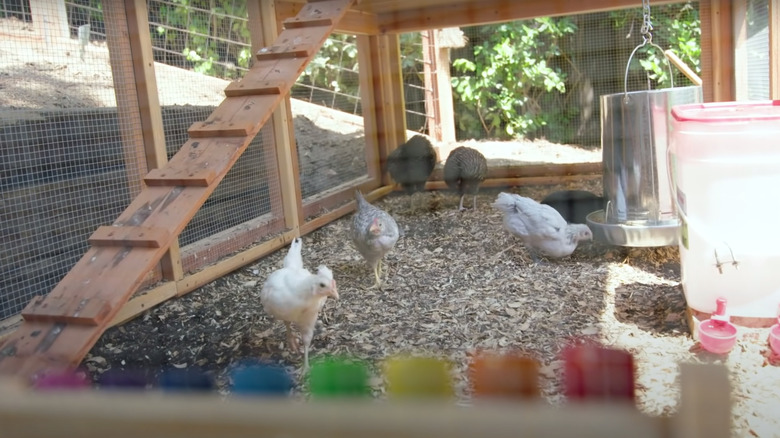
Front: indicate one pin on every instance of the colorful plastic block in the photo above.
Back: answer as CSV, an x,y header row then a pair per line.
x,y
338,377
418,377
510,375
261,379
592,372
186,379
125,379
62,380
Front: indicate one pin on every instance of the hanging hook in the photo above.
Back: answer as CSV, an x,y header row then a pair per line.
x,y
647,38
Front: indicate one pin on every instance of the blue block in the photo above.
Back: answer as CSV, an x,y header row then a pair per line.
x,y
261,379
186,379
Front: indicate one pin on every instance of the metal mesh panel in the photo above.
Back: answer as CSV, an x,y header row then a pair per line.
x,y
18,9
244,208
330,144
199,36
64,167
753,53
331,79
413,71
590,61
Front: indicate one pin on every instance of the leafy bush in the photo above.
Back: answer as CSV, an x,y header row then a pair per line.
x,y
338,53
212,35
501,89
514,81
677,28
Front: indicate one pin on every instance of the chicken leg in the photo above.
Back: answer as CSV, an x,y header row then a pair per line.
x,y
460,206
377,274
292,340
307,336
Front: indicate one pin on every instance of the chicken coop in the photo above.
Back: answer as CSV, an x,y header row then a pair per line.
x,y
130,177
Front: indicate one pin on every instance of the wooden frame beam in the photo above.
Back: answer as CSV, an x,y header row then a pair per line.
x,y
375,17
717,50
381,89
356,22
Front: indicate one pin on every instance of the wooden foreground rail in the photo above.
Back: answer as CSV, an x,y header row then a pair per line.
x,y
59,329
704,412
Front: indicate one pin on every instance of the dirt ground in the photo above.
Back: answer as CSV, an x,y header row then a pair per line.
x,y
457,282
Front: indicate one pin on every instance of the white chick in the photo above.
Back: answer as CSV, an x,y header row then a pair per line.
x,y
296,296
540,227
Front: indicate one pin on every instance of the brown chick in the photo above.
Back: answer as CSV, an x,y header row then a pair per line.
x,y
464,171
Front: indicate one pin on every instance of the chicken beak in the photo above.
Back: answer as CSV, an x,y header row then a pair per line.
x,y
334,292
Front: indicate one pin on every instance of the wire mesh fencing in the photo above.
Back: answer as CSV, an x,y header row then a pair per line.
x,y
64,164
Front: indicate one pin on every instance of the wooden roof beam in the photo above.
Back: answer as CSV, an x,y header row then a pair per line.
x,y
355,22
471,13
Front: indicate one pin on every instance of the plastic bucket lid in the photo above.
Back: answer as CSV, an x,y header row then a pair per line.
x,y
719,112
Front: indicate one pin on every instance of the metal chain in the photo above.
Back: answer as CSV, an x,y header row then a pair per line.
x,y
647,38
647,25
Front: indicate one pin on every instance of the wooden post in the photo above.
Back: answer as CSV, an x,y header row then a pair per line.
x,y
382,96
369,97
717,50
264,27
705,402
774,49
50,20
135,85
438,84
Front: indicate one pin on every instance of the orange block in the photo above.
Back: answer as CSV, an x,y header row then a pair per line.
x,y
510,375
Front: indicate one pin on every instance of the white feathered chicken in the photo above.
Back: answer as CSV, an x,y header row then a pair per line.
x,y
541,228
296,296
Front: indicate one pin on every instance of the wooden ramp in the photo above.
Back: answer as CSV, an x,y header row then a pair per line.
x,y
59,329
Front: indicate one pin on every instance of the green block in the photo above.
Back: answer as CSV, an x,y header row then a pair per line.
x,y
338,377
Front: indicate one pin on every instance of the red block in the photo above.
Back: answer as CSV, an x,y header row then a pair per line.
x,y
592,372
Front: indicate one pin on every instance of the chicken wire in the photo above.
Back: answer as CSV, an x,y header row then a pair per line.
x,y
199,36
331,79
329,157
591,62
752,53
64,167
245,207
15,9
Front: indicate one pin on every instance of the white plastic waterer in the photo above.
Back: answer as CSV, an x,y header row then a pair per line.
x,y
725,168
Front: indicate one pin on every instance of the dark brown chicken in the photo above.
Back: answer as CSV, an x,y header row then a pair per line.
x,y
411,164
464,171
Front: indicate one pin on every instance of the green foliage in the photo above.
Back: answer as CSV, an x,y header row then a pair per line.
x,y
339,53
676,28
211,34
514,82
501,89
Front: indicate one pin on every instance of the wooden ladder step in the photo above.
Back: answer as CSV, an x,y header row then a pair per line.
x,y
177,177
253,86
86,311
144,237
298,23
273,53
